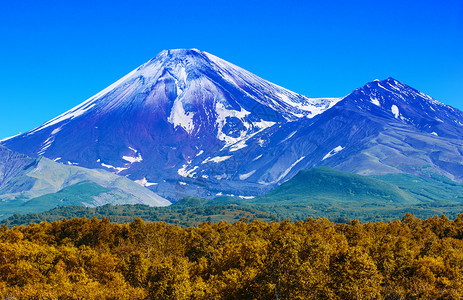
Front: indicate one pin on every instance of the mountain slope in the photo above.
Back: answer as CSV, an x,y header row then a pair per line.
x,y
415,133
384,127
150,125
330,193
25,180
319,192
188,123
11,166
326,184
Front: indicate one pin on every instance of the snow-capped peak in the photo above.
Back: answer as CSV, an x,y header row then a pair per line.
x,y
396,92
404,104
182,79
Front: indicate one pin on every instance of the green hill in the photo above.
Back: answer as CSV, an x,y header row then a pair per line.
x,y
78,194
430,190
331,186
334,194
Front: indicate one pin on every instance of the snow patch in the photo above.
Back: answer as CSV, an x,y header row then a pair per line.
x,y
107,166
56,130
178,117
144,182
132,159
288,137
220,177
46,145
383,87
288,170
186,173
240,142
333,152
257,157
262,124
247,175
216,159
238,146
375,102
222,194
395,111
118,169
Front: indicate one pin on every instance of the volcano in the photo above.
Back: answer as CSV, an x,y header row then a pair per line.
x,y
189,123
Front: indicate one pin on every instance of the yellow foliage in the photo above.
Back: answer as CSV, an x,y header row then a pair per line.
x,y
314,259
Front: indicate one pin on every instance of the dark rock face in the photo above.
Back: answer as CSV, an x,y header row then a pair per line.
x,y
189,123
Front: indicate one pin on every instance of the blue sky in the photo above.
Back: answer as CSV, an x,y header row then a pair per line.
x,y
56,54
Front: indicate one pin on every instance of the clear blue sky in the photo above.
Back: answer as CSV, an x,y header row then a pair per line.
x,y
56,54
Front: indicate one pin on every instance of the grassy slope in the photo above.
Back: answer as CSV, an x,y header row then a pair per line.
x,y
323,192
77,194
48,177
331,193
427,190
336,187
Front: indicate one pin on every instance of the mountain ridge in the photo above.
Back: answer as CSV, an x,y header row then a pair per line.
x,y
188,123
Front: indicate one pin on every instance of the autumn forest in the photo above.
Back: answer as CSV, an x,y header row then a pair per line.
x,y
313,259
